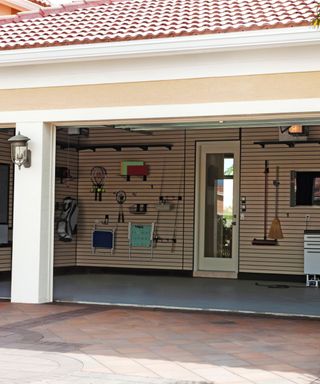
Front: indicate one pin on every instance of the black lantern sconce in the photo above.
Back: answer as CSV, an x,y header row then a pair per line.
x,y
20,154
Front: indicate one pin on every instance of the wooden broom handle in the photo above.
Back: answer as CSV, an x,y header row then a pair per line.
x,y
276,184
266,172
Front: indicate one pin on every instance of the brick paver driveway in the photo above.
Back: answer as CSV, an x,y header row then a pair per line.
x,y
62,344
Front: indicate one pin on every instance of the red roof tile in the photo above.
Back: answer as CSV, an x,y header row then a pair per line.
x,y
119,20
42,3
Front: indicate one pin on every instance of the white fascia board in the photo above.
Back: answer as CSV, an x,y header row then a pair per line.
x,y
177,67
21,5
279,37
215,111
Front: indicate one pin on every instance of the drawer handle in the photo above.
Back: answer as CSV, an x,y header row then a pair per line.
x,y
315,251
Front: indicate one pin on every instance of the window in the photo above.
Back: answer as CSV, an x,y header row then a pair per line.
x,y
305,188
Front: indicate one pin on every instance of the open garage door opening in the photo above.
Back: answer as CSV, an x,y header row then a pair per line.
x,y
120,210
165,215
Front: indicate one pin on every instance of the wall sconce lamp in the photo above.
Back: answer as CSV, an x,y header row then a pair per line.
x,y
20,154
295,130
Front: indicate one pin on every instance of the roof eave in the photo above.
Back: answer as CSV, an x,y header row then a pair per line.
x,y
21,5
231,41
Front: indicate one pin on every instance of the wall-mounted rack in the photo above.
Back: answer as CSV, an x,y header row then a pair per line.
x,y
116,147
139,209
171,198
159,239
290,144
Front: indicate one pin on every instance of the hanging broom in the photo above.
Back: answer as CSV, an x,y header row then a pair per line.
x,y
275,231
265,241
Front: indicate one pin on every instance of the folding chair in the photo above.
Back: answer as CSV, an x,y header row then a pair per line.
x,y
140,236
102,238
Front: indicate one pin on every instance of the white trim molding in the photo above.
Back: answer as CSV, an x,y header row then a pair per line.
x,y
21,5
286,50
33,229
241,110
278,37
304,58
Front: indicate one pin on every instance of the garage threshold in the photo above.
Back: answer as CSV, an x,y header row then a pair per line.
x,y
190,294
194,309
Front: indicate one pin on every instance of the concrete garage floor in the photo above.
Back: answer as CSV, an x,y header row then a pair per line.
x,y
90,344
188,293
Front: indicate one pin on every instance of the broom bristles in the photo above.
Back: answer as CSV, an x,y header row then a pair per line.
x,y
275,231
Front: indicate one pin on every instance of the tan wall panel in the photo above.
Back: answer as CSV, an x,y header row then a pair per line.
x,y
65,252
166,178
171,173
287,257
178,178
238,88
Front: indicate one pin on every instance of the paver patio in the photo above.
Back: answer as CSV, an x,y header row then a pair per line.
x,y
97,344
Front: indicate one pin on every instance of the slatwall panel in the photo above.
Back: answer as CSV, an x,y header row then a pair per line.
x,y
171,173
5,253
166,178
287,257
65,252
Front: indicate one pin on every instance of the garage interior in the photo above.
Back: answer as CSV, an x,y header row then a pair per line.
x,y
270,279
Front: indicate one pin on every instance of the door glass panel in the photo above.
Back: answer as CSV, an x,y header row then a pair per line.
x,y
219,205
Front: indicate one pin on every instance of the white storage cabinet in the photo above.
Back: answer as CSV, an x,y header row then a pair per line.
x,y
312,257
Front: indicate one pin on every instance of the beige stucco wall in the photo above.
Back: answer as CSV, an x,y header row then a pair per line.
x,y
241,88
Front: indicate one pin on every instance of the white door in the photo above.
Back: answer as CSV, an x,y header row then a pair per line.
x,y
217,206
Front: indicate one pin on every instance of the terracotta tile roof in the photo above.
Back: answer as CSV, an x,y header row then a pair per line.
x,y
42,3
119,20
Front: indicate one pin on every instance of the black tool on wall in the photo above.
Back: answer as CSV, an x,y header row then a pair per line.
x,y
121,197
265,241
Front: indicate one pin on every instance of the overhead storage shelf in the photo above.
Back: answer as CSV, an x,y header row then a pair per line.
x,y
289,144
116,147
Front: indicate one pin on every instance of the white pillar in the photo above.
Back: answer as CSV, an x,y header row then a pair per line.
x,y
33,218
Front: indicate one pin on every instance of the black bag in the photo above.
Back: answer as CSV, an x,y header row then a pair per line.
x,y
67,224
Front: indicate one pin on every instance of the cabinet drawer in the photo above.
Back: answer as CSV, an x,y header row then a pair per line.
x,y
312,244
311,238
311,261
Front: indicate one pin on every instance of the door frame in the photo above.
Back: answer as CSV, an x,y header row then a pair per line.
x,y
217,147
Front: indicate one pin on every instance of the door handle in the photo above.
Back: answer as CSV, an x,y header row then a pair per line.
x,y
234,222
